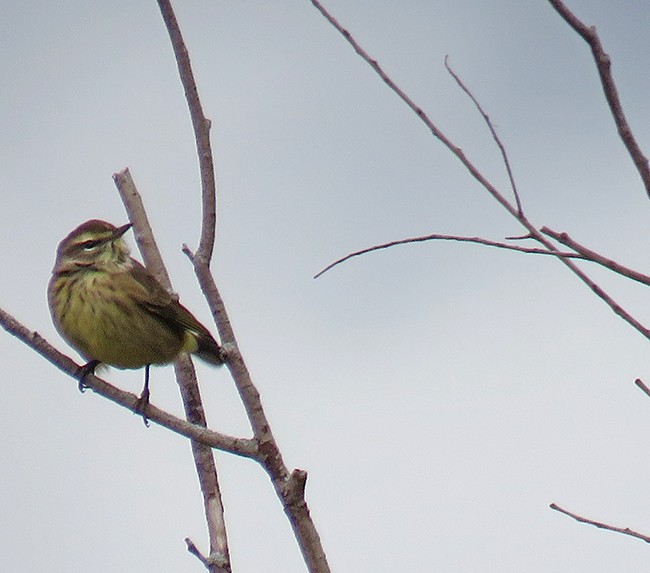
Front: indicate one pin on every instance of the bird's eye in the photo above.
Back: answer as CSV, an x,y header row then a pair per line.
x,y
89,245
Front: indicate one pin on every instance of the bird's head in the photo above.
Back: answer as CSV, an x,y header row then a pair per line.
x,y
93,245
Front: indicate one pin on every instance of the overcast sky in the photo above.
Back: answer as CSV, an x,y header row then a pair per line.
x,y
440,396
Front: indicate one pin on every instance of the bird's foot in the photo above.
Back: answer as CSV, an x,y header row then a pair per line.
x,y
84,371
141,404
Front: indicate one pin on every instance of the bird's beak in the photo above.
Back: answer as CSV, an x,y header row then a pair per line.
x,y
120,231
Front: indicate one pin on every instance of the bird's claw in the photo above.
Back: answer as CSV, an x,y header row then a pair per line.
x,y
85,370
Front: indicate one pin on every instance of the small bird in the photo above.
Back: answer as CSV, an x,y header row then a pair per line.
x,y
113,311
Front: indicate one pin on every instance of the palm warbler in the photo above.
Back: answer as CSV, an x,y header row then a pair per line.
x,y
113,311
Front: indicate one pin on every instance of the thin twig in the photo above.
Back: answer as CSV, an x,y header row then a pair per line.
x,y
239,446
642,386
201,127
186,376
495,136
473,170
604,65
595,257
458,238
194,550
435,130
600,525
208,562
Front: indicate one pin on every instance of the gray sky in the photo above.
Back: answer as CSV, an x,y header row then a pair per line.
x,y
441,396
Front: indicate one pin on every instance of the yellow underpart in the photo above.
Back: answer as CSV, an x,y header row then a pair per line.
x,y
105,324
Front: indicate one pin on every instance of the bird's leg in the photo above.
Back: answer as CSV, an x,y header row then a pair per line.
x,y
83,371
143,401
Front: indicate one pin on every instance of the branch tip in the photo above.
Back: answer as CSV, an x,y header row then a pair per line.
x,y
458,238
601,525
495,136
642,386
187,252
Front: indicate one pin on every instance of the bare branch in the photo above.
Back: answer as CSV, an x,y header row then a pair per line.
x,y
600,525
497,195
458,238
643,387
435,130
208,562
604,65
495,136
238,446
600,293
186,376
201,127
142,230
206,468
297,510
194,550
298,513
295,486
595,257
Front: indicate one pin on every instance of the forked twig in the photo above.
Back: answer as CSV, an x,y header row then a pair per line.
x,y
208,562
271,458
435,236
495,136
194,550
533,232
435,130
595,257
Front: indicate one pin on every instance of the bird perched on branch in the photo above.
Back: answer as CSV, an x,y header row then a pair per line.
x,y
113,311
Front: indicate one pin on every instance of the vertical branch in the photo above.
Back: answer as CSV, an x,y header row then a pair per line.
x,y
289,487
201,127
219,560
205,467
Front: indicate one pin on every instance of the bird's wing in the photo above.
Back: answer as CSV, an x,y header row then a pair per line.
x,y
151,295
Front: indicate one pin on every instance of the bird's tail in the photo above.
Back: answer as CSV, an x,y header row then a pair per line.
x,y
209,350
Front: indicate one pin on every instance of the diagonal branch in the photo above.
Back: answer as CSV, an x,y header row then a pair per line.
x,y
295,506
495,136
600,525
142,230
239,446
533,232
640,384
432,237
435,130
201,127
604,67
595,257
186,375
